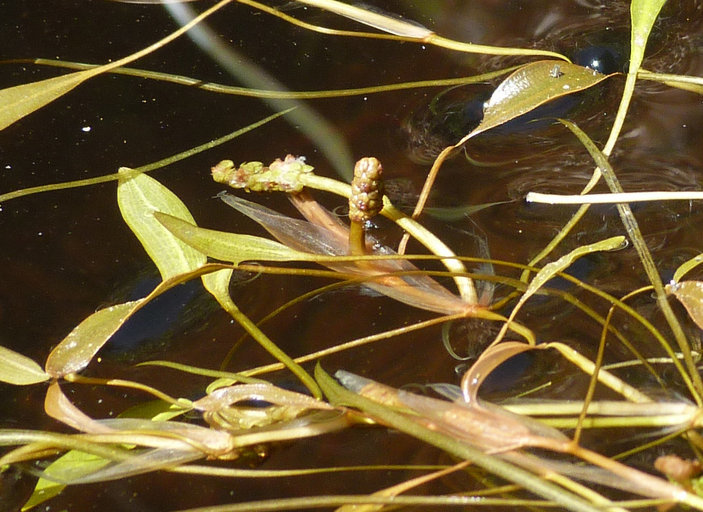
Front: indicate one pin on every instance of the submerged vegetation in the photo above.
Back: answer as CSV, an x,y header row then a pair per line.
x,y
529,448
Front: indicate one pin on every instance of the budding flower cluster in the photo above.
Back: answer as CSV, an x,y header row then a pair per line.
x,y
366,198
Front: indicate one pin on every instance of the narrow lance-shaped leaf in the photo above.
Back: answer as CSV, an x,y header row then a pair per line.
x,y
18,369
80,346
531,86
550,270
21,100
139,197
521,92
643,14
77,349
75,463
232,247
338,395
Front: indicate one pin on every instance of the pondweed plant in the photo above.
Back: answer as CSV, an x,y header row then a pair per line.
x,y
534,446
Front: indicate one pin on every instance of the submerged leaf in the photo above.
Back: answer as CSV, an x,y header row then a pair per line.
x,y
51,483
550,269
531,86
139,197
690,294
325,235
488,361
18,369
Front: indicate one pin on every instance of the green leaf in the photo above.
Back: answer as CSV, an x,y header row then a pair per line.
x,y
139,197
22,100
18,369
231,246
156,410
78,348
531,86
687,266
75,463
550,269
643,14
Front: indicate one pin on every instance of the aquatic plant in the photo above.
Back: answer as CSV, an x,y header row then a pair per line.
x,y
536,446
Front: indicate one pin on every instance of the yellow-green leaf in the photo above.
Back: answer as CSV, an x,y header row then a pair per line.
x,y
690,294
18,369
531,86
550,269
139,197
77,349
687,266
643,14
74,463
21,100
232,247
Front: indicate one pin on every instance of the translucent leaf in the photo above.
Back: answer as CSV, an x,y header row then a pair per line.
x,y
690,294
139,197
531,86
58,406
80,346
324,234
18,369
22,100
489,360
230,395
229,246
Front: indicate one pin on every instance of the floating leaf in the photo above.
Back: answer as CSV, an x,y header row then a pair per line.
x,y
22,100
80,346
83,342
690,294
527,88
18,369
643,14
531,86
230,246
687,266
139,197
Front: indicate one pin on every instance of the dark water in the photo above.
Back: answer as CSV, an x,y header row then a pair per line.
x,y
66,254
